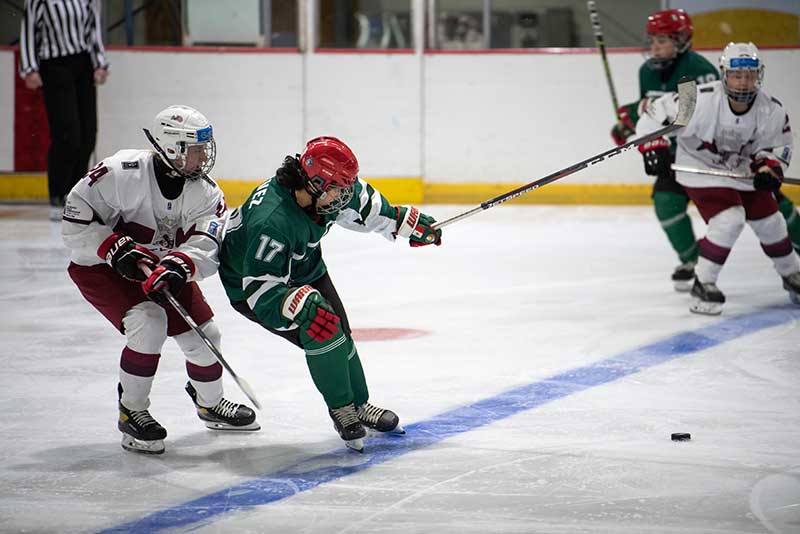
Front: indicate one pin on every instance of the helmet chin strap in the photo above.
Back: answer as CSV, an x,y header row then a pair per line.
x,y
162,153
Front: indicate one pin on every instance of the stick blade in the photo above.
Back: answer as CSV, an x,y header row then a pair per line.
x,y
687,100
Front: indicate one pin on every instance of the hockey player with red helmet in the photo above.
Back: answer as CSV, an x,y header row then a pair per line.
x,y
736,128
669,43
272,269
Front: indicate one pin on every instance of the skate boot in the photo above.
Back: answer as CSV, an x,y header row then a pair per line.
x,y
140,432
226,415
378,419
683,275
347,424
791,284
707,299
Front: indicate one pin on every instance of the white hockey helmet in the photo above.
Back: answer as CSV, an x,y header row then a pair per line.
x,y
741,58
176,131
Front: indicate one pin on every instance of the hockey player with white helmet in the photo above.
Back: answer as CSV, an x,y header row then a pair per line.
x,y
157,210
740,129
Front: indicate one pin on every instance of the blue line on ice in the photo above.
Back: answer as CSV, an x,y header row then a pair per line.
x,y
334,465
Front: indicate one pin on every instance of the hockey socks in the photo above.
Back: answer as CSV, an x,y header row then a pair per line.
x,y
671,213
789,213
330,369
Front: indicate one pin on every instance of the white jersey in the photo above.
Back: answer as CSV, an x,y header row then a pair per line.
x,y
717,138
121,194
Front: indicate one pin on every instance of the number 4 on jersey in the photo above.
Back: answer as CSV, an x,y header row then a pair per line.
x,y
267,241
96,173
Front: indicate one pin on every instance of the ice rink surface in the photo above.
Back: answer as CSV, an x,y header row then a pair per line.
x,y
552,363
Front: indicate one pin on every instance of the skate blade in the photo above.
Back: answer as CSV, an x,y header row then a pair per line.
x,y
683,286
129,443
252,427
355,444
705,308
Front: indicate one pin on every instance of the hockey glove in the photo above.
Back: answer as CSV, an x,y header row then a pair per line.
x,y
657,158
124,255
625,127
768,174
171,274
417,227
309,310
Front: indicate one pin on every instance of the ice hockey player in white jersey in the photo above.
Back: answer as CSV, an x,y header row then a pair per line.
x,y
159,210
736,128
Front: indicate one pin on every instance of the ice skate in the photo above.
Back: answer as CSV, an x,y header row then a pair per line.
x,y
379,420
348,425
791,284
226,415
707,299
683,275
140,432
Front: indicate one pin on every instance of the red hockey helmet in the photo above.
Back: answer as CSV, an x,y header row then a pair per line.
x,y
675,23
330,165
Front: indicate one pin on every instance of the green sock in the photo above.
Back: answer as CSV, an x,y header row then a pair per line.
x,y
789,213
671,213
330,368
358,381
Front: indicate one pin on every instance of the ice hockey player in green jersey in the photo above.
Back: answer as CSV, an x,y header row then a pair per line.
x,y
669,35
272,269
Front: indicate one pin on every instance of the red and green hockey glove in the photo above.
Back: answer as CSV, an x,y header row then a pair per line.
x,y
417,227
309,310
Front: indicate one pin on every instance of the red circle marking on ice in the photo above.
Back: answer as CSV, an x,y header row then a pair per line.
x,y
386,334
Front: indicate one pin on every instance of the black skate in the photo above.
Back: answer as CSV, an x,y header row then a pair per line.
x,y
683,275
347,424
791,284
140,432
707,299
378,419
226,415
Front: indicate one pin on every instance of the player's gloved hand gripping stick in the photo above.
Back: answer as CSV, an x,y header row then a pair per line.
x,y
687,99
241,382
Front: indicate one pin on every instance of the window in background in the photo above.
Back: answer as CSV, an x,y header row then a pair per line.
x,y
142,23
365,24
475,24
201,22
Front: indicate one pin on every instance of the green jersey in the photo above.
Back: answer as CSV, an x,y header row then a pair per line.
x,y
652,85
271,244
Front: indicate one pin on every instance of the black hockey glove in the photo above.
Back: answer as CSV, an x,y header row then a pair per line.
x,y
126,257
171,274
657,159
768,174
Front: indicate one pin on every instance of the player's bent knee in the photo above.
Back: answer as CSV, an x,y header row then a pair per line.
x,y
770,229
146,327
195,348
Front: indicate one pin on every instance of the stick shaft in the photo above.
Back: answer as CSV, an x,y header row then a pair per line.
x,y
601,46
727,174
687,94
243,385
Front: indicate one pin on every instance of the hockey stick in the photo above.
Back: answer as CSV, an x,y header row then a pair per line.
x,y
712,172
687,98
241,382
601,45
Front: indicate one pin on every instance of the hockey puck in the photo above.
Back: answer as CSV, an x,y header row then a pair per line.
x,y
681,436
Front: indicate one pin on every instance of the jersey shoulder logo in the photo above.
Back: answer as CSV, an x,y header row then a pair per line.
x,y
130,165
